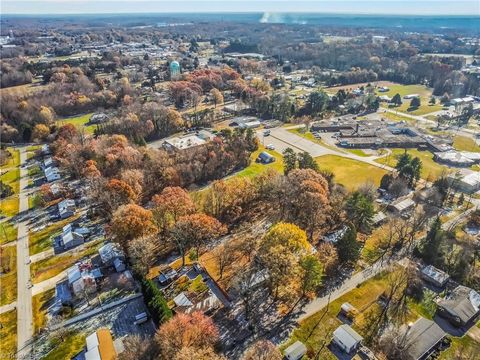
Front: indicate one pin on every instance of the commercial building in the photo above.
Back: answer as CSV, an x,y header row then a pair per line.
x,y
466,181
187,142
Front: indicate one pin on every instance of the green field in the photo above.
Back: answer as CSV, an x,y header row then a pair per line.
x,y
464,143
80,122
257,168
430,168
8,279
8,335
424,92
9,206
350,173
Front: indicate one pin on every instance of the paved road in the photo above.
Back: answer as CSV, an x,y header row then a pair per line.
x,y
24,293
281,138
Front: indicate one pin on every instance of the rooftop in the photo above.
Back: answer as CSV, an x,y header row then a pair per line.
x,y
422,336
462,302
347,335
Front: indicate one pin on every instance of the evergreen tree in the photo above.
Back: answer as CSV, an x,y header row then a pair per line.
x,y
360,211
289,160
156,303
430,248
397,100
347,246
415,103
306,161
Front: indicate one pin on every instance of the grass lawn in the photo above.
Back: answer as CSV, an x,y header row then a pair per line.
x,y
424,92
318,328
80,122
42,240
430,168
461,346
67,347
358,152
8,335
40,304
350,173
8,279
9,206
257,168
464,143
14,160
8,232
47,268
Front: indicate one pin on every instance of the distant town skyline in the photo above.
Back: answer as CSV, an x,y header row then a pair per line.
x,y
373,7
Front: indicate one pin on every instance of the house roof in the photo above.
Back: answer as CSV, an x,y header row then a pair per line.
x,y
435,274
403,204
462,302
109,251
347,335
182,300
422,336
296,350
100,346
73,274
265,156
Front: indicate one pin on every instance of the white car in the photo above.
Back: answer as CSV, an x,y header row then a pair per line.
x,y
270,147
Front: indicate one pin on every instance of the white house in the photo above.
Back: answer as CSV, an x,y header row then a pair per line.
x,y
346,338
295,351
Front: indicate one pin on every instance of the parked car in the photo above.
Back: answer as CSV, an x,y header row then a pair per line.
x,y
270,147
266,133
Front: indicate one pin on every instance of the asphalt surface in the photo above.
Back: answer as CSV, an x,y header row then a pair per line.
x,y
24,293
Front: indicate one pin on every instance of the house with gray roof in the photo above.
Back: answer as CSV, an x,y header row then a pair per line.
x,y
347,339
422,338
461,306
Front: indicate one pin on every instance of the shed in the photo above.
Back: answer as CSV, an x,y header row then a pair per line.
x,y
265,158
346,338
434,276
295,351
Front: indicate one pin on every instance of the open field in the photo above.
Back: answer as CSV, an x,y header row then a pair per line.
x,y
464,143
9,206
80,122
40,304
42,240
430,168
424,92
8,279
20,90
350,173
8,335
334,89
47,268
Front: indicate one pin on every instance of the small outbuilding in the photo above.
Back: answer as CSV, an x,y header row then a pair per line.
x,y
295,351
265,158
347,339
434,276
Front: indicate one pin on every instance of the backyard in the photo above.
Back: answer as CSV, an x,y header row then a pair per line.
x,y
80,122
40,303
8,277
8,335
257,168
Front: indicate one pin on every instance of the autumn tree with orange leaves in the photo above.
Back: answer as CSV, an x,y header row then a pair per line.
x,y
131,221
194,231
195,332
172,203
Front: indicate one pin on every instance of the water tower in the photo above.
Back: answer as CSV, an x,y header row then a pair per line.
x,y
174,70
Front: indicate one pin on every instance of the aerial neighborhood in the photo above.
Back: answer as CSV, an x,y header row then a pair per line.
x,y
222,188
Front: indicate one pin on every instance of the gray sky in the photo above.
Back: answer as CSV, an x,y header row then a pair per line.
x,y
393,7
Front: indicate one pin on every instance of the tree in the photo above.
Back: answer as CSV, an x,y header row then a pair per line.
x,y
317,102
131,221
195,331
306,161
432,101
138,348
430,247
347,246
217,96
189,353
262,350
415,103
142,252
311,274
117,193
397,100
5,190
409,168
171,204
286,235
225,255
360,211
289,160
328,257
156,303
194,231
40,132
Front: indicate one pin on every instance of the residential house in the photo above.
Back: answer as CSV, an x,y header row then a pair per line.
x,y
434,276
66,208
422,338
461,306
52,174
112,255
82,279
100,346
295,351
347,339
402,206
70,239
466,181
